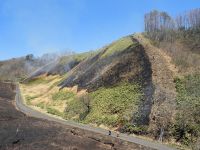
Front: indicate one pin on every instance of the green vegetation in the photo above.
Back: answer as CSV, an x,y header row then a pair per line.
x,y
63,95
118,46
76,110
132,128
30,98
54,111
37,81
76,57
187,125
115,105
41,105
82,56
109,106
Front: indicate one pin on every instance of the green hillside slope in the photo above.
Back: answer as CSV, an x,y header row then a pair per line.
x,y
113,80
130,85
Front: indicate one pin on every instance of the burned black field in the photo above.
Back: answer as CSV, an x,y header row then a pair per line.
x,y
18,131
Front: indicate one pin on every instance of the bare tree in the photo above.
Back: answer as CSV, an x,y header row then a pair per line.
x,y
161,26
158,24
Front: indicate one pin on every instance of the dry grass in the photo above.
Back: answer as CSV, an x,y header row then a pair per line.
x,y
185,59
147,44
40,94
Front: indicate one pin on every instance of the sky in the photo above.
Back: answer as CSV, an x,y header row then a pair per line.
x,y
43,26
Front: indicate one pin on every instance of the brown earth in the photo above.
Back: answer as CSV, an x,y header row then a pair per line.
x,y
18,131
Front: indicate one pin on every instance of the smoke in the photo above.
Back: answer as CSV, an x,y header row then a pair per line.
x,y
48,62
31,66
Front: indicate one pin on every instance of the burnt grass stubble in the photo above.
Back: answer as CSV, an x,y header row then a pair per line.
x,y
18,131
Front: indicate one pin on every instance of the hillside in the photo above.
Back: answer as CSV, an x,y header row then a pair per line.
x,y
122,64
17,69
126,55
60,65
184,57
12,69
27,67
183,50
130,85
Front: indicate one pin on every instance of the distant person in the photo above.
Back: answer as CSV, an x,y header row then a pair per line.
x,y
109,132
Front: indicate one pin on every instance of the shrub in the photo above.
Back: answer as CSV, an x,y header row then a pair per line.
x,y
131,128
76,110
109,106
114,105
187,126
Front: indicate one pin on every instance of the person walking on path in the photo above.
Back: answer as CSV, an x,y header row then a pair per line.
x,y
109,132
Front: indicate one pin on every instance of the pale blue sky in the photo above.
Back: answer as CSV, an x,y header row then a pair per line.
x,y
40,26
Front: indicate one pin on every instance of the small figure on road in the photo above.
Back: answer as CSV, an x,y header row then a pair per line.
x,y
109,132
117,134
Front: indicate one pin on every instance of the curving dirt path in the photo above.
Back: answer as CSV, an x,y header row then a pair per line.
x,y
141,144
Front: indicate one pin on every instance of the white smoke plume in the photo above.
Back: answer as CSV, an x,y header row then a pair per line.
x,y
45,63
